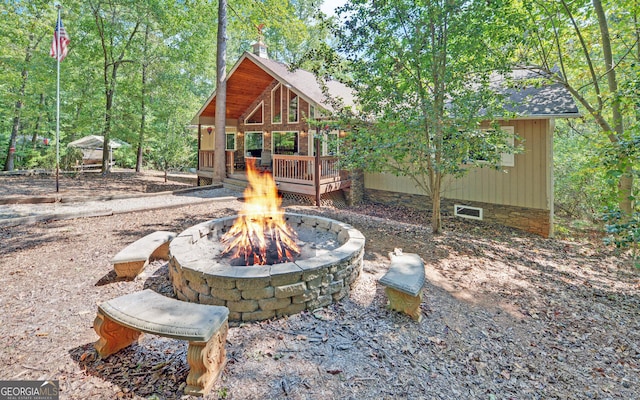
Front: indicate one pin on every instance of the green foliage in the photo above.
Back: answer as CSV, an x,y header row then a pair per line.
x,y
421,74
70,157
582,186
178,54
623,231
175,150
4,147
584,45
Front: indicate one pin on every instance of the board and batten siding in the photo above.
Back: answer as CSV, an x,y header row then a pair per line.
x,y
527,184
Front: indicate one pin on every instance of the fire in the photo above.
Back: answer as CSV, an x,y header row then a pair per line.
x,y
260,234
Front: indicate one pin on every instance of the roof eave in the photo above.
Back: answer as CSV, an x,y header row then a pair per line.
x,y
196,118
542,116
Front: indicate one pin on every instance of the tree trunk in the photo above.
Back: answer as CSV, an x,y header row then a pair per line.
x,y
219,169
436,217
34,137
106,132
8,165
143,110
625,184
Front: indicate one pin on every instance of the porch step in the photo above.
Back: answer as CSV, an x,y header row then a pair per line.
x,y
234,184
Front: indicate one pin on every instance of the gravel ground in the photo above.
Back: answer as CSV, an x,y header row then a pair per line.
x,y
15,214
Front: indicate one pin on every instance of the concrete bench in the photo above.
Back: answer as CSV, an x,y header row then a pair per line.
x,y
131,260
122,320
403,283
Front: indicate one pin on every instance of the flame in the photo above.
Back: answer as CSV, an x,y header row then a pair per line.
x,y
260,234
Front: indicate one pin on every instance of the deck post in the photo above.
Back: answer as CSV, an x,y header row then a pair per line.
x,y
199,147
316,174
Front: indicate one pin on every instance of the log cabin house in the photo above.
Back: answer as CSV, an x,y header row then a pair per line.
x,y
267,108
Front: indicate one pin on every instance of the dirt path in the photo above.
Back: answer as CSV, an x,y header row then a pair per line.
x,y
506,315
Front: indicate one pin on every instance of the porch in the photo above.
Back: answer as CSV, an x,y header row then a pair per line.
x,y
293,174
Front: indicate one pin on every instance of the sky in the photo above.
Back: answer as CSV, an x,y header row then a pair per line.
x,y
330,5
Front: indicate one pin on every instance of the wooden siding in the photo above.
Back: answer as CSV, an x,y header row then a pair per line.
x,y
246,82
527,184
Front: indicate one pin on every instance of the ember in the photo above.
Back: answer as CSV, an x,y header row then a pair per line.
x,y
260,234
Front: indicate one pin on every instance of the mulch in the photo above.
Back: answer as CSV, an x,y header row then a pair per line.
x,y
506,314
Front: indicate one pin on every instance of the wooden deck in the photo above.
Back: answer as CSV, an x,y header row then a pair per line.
x,y
293,174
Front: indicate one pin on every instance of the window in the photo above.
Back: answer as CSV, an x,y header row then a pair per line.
x,y
330,144
483,145
467,212
285,143
312,111
253,144
231,141
276,105
293,106
509,159
256,116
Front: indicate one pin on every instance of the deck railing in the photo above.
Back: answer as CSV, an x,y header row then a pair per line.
x,y
292,169
301,169
206,159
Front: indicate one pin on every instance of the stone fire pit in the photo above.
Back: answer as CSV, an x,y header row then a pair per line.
x,y
330,262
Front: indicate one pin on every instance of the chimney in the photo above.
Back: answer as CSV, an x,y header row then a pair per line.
x,y
259,48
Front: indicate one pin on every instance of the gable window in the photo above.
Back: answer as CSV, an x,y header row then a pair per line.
x,y
312,111
285,143
276,105
253,144
293,106
257,115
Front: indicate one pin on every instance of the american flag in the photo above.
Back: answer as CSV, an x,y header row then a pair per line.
x,y
61,34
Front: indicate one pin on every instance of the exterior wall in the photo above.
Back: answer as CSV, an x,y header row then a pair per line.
x,y
526,184
531,220
267,127
206,139
525,189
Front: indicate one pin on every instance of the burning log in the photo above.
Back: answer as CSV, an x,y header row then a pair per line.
x,y
260,242
260,235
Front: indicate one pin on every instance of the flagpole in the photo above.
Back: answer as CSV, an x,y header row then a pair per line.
x,y
59,7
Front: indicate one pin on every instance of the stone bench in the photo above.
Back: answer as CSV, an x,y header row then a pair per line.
x,y
122,320
403,283
131,260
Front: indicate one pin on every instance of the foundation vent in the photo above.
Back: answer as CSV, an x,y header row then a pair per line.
x,y
463,211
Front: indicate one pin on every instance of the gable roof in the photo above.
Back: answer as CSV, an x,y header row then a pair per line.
x,y
529,95
251,75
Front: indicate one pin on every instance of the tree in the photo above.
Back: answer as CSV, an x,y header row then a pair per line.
x,y
110,49
32,16
117,25
412,64
173,148
598,64
221,95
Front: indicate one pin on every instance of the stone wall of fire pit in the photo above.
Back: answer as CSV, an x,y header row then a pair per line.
x,y
262,292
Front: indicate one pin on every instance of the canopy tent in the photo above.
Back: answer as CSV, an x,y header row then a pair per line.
x,y
95,142
92,146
